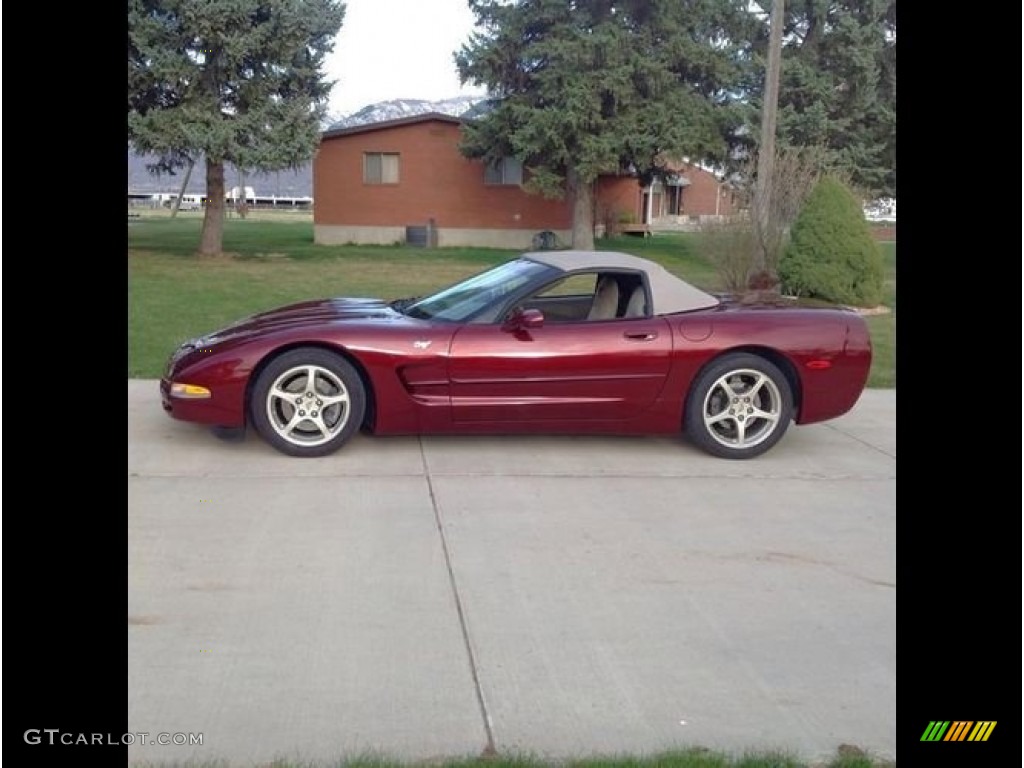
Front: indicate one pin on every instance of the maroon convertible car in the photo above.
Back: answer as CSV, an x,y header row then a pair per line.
x,y
552,342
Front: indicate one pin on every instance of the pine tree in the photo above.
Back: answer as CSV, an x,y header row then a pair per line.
x,y
831,254
584,87
838,87
236,81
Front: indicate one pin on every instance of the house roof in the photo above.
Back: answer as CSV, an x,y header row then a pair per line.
x,y
669,294
425,117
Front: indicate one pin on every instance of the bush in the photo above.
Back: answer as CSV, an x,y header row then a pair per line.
x,y
729,244
831,254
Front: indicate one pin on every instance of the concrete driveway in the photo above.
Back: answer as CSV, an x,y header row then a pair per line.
x,y
559,596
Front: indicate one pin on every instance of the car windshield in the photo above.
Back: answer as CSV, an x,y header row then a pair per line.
x,y
464,300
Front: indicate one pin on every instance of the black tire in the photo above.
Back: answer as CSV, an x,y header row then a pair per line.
x,y
737,393
229,434
308,402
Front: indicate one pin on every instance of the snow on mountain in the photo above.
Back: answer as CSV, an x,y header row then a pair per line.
x,y
395,109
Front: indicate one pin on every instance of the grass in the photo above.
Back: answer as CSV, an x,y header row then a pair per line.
x,y
883,327
173,296
845,757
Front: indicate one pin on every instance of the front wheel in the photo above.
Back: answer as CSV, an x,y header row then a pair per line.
x,y
739,407
308,402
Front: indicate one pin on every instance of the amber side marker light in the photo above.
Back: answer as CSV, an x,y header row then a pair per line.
x,y
819,365
189,391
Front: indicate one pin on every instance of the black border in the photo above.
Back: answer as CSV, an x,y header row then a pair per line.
x,y
67,309
952,627
66,333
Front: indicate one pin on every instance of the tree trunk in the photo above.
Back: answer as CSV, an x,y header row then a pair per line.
x,y
212,239
582,194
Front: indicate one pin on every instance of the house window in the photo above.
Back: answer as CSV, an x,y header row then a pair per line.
x,y
506,171
380,168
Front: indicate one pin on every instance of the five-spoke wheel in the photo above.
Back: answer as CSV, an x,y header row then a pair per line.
x,y
739,407
308,402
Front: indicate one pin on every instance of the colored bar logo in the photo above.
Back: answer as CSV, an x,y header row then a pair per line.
x,y
958,730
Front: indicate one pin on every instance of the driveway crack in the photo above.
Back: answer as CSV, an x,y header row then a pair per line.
x,y
852,436
489,748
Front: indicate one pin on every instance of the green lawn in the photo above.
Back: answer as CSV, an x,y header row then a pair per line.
x,y
883,327
173,296
696,757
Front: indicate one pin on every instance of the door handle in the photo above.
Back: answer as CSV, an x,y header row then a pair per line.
x,y
640,335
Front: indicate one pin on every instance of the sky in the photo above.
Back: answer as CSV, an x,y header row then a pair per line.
x,y
393,49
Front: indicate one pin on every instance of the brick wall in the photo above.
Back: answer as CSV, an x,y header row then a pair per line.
x,y
435,182
699,197
618,196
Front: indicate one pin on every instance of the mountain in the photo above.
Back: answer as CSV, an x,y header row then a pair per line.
x,y
299,182
458,106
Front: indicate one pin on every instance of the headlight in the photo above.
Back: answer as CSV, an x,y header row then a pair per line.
x,y
189,391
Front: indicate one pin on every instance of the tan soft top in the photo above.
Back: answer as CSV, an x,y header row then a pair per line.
x,y
669,294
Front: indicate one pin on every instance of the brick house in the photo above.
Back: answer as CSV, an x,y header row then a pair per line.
x,y
691,195
373,182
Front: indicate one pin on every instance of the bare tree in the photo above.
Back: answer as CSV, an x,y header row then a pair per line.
x,y
749,244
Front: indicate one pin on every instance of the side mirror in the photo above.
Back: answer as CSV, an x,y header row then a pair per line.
x,y
523,320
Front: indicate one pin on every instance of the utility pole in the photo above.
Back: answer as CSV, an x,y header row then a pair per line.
x,y
181,192
766,153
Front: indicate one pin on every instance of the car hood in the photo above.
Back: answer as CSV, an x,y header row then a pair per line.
x,y
324,309
317,312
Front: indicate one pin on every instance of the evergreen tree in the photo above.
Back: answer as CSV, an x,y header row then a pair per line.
x,y
838,86
831,254
584,87
237,81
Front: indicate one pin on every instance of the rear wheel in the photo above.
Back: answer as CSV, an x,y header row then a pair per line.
x,y
739,407
308,402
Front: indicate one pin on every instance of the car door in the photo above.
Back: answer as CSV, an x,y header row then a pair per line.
x,y
598,370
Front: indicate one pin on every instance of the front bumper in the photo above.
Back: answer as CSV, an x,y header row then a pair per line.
x,y
214,410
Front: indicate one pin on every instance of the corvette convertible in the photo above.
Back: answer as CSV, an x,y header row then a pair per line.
x,y
551,342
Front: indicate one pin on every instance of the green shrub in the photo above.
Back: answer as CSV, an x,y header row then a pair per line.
x,y
831,254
